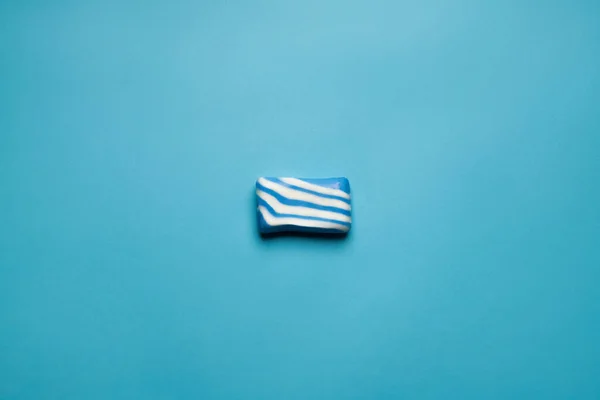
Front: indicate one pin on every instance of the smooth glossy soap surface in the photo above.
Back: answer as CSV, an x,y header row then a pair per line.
x,y
303,205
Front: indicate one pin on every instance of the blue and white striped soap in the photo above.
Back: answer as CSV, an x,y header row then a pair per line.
x,y
303,205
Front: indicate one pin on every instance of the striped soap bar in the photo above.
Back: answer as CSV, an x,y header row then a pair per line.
x,y
303,205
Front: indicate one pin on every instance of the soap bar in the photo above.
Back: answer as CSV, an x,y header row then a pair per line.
x,y
303,205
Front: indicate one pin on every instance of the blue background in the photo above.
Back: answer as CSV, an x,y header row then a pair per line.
x,y
131,134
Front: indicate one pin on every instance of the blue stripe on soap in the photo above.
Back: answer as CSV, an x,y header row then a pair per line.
x,y
268,230
327,196
290,202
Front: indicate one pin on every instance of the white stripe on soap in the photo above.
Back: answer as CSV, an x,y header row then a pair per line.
x,y
303,196
299,210
276,221
315,188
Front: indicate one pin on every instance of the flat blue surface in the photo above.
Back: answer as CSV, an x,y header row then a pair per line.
x,y
131,135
